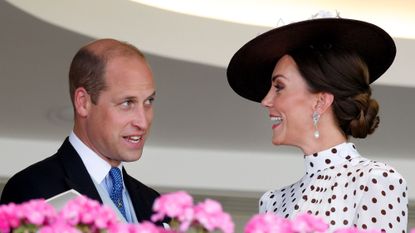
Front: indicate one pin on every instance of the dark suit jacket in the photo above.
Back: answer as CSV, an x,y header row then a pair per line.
x,y
65,170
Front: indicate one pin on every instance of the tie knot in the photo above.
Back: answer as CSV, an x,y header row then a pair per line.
x,y
115,174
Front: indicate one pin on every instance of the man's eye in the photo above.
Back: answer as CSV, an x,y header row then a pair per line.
x,y
149,101
126,104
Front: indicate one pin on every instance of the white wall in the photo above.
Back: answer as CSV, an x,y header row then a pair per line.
x,y
224,171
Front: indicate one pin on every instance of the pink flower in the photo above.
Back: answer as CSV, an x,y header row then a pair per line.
x,y
119,228
309,223
83,210
59,227
145,227
177,205
71,212
211,216
37,212
268,223
8,217
105,217
86,215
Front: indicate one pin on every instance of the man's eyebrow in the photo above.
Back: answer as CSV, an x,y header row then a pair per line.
x,y
130,98
152,95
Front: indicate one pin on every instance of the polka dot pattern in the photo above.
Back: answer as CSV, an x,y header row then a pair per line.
x,y
346,190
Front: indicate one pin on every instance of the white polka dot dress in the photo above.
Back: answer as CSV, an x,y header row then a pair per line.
x,y
346,190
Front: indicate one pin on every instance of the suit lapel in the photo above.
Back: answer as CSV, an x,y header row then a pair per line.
x,y
77,177
141,207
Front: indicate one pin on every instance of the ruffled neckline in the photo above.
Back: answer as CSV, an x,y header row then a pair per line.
x,y
330,158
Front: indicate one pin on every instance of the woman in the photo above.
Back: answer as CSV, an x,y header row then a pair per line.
x,y
313,78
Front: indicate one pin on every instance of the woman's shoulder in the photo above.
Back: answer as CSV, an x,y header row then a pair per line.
x,y
276,193
273,196
378,170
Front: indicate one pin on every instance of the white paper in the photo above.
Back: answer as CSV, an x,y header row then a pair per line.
x,y
59,201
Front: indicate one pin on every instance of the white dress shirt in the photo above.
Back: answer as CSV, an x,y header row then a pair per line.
x,y
99,169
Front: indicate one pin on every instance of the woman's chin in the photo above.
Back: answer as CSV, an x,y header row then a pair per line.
x,y
277,141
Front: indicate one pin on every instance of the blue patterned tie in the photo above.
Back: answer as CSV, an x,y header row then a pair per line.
x,y
117,186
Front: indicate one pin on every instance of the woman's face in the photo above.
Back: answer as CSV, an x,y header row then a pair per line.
x,y
290,105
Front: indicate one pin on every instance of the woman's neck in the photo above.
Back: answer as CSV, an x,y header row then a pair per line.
x,y
328,138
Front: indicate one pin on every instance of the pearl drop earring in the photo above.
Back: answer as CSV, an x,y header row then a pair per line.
x,y
316,118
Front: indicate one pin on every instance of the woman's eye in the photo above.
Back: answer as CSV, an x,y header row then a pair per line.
x,y
278,87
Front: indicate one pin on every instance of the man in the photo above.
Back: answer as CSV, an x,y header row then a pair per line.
x,y
112,91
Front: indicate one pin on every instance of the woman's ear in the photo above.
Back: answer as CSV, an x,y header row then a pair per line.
x,y
82,102
324,101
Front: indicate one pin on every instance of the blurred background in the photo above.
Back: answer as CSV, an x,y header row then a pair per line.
x,y
205,139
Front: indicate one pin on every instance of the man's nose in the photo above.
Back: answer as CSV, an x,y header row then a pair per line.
x,y
140,119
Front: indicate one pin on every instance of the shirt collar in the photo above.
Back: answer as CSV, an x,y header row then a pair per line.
x,y
97,167
331,157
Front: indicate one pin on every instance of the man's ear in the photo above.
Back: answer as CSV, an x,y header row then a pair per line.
x,y
82,101
324,101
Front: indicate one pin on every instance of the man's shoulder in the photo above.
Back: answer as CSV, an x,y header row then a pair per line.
x,y
44,167
24,185
35,181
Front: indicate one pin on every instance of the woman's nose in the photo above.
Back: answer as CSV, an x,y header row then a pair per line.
x,y
267,100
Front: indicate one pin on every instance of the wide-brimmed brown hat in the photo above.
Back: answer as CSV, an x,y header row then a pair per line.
x,y
250,69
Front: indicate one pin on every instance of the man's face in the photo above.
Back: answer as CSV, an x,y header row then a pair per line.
x,y
119,123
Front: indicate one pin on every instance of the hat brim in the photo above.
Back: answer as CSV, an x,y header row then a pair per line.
x,y
250,69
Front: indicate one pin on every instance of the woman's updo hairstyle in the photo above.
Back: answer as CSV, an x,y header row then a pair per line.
x,y
344,74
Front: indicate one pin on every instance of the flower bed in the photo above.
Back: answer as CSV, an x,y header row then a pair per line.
x,y
83,215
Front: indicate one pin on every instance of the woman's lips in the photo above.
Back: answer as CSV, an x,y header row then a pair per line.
x,y
276,121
